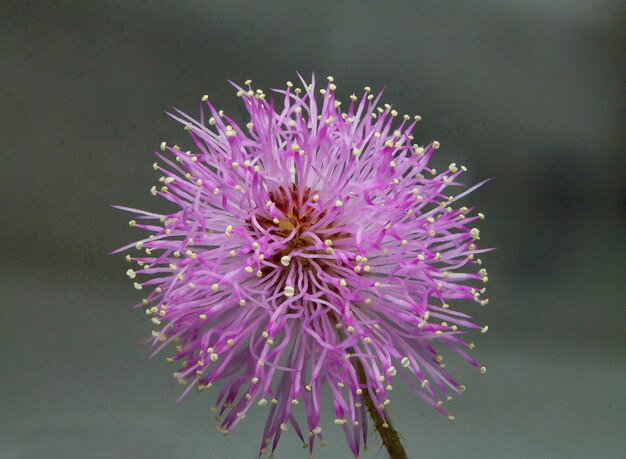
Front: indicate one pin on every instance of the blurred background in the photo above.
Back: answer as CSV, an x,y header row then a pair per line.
x,y
529,92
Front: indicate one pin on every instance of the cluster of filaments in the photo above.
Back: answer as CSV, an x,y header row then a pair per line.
x,y
314,247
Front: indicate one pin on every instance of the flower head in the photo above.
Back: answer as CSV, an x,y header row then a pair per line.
x,y
313,247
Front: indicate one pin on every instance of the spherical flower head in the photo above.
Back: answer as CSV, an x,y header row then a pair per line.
x,y
312,247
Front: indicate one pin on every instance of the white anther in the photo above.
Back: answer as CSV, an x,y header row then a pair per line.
x,y
131,273
284,260
338,203
289,291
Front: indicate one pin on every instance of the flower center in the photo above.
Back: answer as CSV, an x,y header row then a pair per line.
x,y
298,226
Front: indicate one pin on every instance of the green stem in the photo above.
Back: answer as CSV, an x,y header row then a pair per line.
x,y
388,435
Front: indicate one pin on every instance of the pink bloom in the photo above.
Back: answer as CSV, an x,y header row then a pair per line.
x,y
313,246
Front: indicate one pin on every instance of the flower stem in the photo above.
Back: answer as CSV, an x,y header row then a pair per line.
x,y
388,435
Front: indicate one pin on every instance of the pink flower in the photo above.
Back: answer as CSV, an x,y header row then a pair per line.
x,y
313,246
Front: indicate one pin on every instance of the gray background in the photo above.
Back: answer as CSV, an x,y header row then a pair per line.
x,y
530,92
